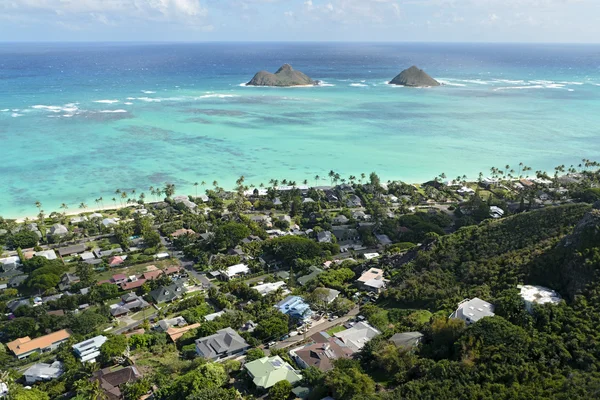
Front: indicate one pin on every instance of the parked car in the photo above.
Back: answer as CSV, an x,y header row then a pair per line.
x,y
270,344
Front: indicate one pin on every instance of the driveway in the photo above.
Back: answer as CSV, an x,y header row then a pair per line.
x,y
315,329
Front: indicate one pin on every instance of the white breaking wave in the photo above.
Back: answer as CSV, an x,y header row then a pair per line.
x,y
149,99
106,101
15,115
113,111
128,103
5,110
217,95
131,98
67,108
517,82
148,91
358,85
448,83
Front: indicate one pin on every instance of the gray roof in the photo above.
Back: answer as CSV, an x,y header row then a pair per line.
x,y
324,237
76,248
473,310
58,229
167,293
18,303
222,344
315,271
17,280
357,336
43,371
406,339
332,295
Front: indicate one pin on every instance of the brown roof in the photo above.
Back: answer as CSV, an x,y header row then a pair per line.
x,y
133,285
111,378
322,353
152,274
26,344
172,270
182,231
176,333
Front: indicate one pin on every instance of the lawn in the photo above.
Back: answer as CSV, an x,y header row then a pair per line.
x,y
335,330
166,363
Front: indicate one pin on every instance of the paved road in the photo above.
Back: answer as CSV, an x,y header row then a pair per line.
x,y
316,329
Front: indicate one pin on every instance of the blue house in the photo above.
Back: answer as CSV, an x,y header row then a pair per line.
x,y
295,307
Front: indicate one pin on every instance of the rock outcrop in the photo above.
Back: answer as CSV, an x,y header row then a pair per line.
x,y
284,77
414,77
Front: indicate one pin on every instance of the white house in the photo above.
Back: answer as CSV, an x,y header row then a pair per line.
x,y
234,271
90,349
538,295
43,372
496,212
267,288
473,310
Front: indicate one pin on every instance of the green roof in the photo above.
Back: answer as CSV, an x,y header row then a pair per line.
x,y
315,271
267,371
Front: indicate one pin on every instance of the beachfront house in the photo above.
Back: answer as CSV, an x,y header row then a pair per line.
x,y
88,350
473,310
25,346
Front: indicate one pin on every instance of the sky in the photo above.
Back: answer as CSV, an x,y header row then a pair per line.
x,y
301,20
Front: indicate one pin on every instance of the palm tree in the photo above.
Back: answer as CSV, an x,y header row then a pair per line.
x,y
362,177
317,177
115,201
101,201
305,182
331,175
97,202
196,186
169,189
83,206
215,184
38,205
123,197
64,206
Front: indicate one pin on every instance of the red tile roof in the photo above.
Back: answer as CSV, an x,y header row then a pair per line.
x,y
152,274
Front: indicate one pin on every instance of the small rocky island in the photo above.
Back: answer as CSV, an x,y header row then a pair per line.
x,y
414,77
284,77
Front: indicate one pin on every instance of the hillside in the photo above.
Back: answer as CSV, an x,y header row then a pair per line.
x,y
285,76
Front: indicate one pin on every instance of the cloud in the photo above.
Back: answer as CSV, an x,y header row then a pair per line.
x,y
105,11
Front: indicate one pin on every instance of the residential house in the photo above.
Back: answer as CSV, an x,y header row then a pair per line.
x,y
89,349
295,307
67,280
107,253
176,333
372,280
356,337
353,201
235,271
267,371
314,272
166,294
340,219
164,324
112,379
25,346
69,250
119,279
496,212
213,316
133,284
538,295
185,201
14,304
383,239
129,302
108,222
370,256
473,310
224,344
47,254
78,220
58,229
182,232
43,372
324,237
359,215
17,280
9,263
267,288
407,340
322,353
116,261
332,294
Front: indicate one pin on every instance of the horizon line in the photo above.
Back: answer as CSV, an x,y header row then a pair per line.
x,y
285,42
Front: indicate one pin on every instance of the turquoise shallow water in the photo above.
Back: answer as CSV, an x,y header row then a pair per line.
x,y
79,121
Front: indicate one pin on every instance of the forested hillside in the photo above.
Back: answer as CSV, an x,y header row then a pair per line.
x,y
551,353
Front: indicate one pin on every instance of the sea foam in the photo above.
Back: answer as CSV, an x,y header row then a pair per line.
x,y
106,101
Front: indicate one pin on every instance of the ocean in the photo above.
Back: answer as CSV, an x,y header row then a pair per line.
x,y
78,121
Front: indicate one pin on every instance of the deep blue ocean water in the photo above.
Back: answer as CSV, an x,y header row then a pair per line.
x,y
78,121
